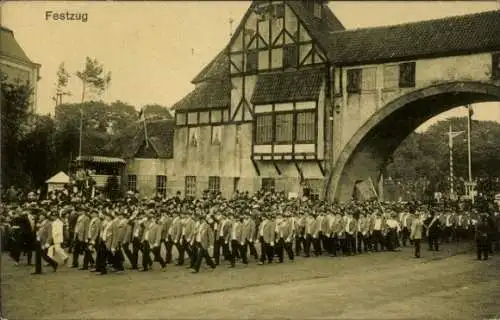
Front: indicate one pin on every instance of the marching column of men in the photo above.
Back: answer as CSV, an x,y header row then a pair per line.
x,y
108,234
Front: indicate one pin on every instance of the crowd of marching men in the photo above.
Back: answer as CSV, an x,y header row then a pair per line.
x,y
265,226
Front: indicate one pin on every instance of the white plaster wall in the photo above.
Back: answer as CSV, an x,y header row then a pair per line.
x,y
356,109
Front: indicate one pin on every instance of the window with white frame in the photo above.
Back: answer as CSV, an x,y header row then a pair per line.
x,y
284,127
264,129
317,9
306,127
161,185
214,184
190,186
132,182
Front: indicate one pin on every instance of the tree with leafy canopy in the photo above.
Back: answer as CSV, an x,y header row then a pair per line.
x,y
93,78
98,118
15,100
39,155
63,77
426,154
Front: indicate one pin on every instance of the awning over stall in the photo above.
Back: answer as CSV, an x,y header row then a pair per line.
x,y
100,159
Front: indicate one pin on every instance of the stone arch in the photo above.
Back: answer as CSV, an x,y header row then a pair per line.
x,y
367,152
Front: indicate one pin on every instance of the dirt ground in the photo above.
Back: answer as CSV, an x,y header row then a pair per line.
x,y
448,284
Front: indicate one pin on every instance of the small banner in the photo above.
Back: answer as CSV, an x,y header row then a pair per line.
x,y
365,190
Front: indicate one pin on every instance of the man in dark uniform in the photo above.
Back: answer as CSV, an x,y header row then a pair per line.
x,y
496,219
24,234
72,219
17,236
204,240
433,227
481,236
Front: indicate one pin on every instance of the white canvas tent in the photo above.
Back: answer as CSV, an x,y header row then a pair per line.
x,y
57,181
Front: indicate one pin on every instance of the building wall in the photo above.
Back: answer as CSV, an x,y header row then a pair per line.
x,y
356,109
146,171
229,160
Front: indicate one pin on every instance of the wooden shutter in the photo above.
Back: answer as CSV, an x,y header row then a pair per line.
x,y
290,56
495,66
354,80
252,60
407,75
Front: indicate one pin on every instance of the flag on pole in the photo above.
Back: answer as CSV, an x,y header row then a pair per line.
x,y
142,118
365,190
471,113
453,135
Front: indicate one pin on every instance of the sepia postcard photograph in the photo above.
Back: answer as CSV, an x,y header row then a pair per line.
x,y
273,159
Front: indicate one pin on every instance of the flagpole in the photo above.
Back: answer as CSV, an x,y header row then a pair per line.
x,y
450,143
81,130
469,153
468,140
231,27
451,134
145,128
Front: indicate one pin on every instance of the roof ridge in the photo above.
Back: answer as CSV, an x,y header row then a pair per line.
x,y
200,77
6,29
417,22
159,120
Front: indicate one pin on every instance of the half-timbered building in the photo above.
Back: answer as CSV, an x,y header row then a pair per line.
x,y
256,117
296,103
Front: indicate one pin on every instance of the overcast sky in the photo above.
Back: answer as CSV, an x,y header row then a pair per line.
x,y
154,49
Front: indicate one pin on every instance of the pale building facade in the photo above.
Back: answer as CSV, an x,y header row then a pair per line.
x,y
15,64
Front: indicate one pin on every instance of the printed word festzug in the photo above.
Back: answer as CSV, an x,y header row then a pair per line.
x,y
66,16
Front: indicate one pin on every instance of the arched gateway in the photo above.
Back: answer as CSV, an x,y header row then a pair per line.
x,y
368,150
298,104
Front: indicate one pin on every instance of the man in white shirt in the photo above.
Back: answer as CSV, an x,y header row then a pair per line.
x,y
222,238
236,243
449,222
393,226
58,238
405,221
377,224
102,250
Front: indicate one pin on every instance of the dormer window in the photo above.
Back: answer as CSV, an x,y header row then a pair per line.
x,y
317,9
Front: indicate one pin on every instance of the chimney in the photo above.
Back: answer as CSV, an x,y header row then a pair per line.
x,y
315,7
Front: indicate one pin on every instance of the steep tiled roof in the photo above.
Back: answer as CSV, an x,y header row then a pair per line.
x,y
218,68
10,47
452,35
288,86
319,29
207,95
160,138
